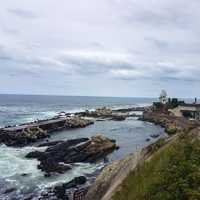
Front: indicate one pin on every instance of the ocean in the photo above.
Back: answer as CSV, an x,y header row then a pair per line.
x,y
16,109
130,135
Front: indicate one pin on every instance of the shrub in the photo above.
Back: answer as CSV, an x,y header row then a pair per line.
x,y
172,174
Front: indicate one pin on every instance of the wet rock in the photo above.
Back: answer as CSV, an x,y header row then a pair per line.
x,y
35,154
25,174
76,181
31,132
60,193
119,117
22,137
133,109
55,158
50,166
64,191
105,113
154,135
50,143
9,190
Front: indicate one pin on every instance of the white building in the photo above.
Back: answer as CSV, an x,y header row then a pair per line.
x,y
163,97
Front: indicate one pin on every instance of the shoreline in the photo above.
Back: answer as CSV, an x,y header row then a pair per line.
x,y
28,133
106,115
112,176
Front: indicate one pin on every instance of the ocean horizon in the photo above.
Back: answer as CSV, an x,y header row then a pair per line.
x,y
17,109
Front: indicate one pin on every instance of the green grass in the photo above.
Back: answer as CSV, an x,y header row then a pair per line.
x,y
172,174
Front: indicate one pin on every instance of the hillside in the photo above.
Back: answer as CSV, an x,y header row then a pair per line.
x,y
171,173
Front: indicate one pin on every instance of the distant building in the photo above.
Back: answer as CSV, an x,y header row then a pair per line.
x,y
177,107
191,111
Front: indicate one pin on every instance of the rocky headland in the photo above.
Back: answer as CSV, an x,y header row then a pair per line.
x,y
115,180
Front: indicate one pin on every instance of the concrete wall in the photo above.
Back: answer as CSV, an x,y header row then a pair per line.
x,y
178,110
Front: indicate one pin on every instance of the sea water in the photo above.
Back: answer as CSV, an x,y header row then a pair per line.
x,y
18,172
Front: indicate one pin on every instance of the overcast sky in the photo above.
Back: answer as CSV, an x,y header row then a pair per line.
x,y
100,47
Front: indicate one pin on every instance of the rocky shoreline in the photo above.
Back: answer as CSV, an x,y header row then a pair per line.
x,y
113,175
60,156
109,114
170,123
26,134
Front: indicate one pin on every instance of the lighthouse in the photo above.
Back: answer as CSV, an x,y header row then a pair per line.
x,y
163,97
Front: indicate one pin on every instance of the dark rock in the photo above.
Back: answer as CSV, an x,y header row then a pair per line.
x,y
104,113
76,181
55,158
9,190
49,143
154,135
61,192
58,146
25,134
49,165
119,117
35,154
25,174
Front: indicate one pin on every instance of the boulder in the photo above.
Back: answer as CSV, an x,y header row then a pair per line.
x,y
62,191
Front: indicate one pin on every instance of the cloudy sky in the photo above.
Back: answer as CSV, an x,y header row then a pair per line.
x,y
100,47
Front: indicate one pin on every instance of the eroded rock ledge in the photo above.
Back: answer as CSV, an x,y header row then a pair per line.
x,y
59,156
109,114
171,123
31,132
111,177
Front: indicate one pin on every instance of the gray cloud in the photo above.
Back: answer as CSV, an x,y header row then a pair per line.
x,y
122,44
25,14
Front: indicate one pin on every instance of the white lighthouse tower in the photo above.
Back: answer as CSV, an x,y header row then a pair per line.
x,y
163,97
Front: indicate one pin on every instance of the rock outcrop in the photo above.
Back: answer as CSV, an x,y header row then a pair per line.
x,y
112,176
59,157
27,133
171,124
64,191
23,137
105,113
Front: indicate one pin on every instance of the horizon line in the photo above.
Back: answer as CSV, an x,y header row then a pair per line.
x,y
62,95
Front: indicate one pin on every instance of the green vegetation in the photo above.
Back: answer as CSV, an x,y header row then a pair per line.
x,y
173,173
155,146
171,131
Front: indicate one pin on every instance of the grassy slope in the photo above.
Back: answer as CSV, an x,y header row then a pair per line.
x,y
172,173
